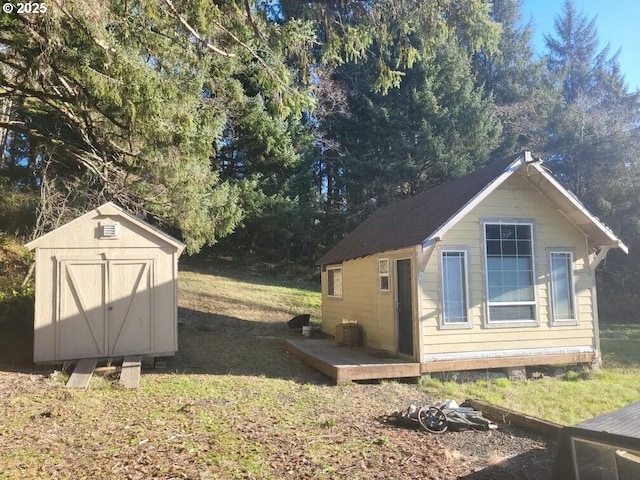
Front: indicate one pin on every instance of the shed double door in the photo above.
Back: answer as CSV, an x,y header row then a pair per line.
x,y
105,308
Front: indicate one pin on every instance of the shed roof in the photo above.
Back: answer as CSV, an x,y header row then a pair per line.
x,y
109,209
423,218
624,422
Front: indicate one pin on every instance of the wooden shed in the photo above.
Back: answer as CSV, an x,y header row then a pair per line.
x,y
106,286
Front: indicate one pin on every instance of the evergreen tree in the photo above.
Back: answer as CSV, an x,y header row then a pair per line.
x,y
128,101
522,94
593,129
594,139
435,122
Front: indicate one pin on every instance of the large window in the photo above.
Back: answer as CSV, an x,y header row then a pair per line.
x,y
561,277
334,281
455,309
510,274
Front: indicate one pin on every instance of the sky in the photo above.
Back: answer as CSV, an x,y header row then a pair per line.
x,y
617,23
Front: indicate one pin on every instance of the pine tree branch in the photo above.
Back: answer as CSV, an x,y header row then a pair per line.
x,y
255,28
100,43
124,151
22,91
194,32
254,54
81,156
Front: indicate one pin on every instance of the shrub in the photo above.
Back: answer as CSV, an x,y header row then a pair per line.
x,y
16,299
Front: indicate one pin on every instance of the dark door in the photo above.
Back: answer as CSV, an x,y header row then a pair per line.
x,y
405,307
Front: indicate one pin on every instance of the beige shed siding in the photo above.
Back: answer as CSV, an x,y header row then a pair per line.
x,y
84,233
515,199
362,301
164,327
123,293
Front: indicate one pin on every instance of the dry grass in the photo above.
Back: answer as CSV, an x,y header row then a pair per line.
x,y
454,456
232,404
497,459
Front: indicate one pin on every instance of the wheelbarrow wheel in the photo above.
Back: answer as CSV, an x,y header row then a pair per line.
x,y
432,419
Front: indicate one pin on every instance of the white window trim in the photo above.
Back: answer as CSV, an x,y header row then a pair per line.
x,y
444,325
574,297
381,275
335,267
509,323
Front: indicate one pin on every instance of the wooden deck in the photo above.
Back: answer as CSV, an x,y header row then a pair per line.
x,y
346,364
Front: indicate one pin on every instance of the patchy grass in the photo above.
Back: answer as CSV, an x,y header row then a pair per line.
x,y
237,299
233,403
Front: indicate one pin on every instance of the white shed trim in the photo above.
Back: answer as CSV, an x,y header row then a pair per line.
x,y
107,209
579,209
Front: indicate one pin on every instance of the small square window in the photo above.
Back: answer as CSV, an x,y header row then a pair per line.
x,y
383,274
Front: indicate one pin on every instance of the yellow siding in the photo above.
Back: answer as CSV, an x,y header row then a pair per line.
x,y
362,301
515,199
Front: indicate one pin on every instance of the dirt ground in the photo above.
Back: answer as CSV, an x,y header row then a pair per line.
x,y
254,415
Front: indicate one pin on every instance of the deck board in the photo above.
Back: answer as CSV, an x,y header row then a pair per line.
x,y
345,364
82,373
130,373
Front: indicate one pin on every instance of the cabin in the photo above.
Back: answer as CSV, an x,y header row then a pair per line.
x,y
105,286
494,269
604,447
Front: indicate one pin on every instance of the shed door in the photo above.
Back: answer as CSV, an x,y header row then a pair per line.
x,y
82,319
405,307
130,307
106,308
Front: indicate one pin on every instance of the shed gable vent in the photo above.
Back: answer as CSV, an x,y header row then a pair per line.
x,y
109,230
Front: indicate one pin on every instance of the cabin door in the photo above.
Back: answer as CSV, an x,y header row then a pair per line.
x,y
405,307
105,308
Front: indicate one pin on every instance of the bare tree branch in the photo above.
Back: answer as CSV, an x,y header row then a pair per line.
x,y
256,30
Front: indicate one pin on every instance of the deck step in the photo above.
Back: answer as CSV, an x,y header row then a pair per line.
x,y
130,373
82,373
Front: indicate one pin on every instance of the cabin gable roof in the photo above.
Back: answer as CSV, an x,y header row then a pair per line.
x,y
424,218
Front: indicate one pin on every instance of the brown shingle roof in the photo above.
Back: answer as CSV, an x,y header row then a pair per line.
x,y
411,221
